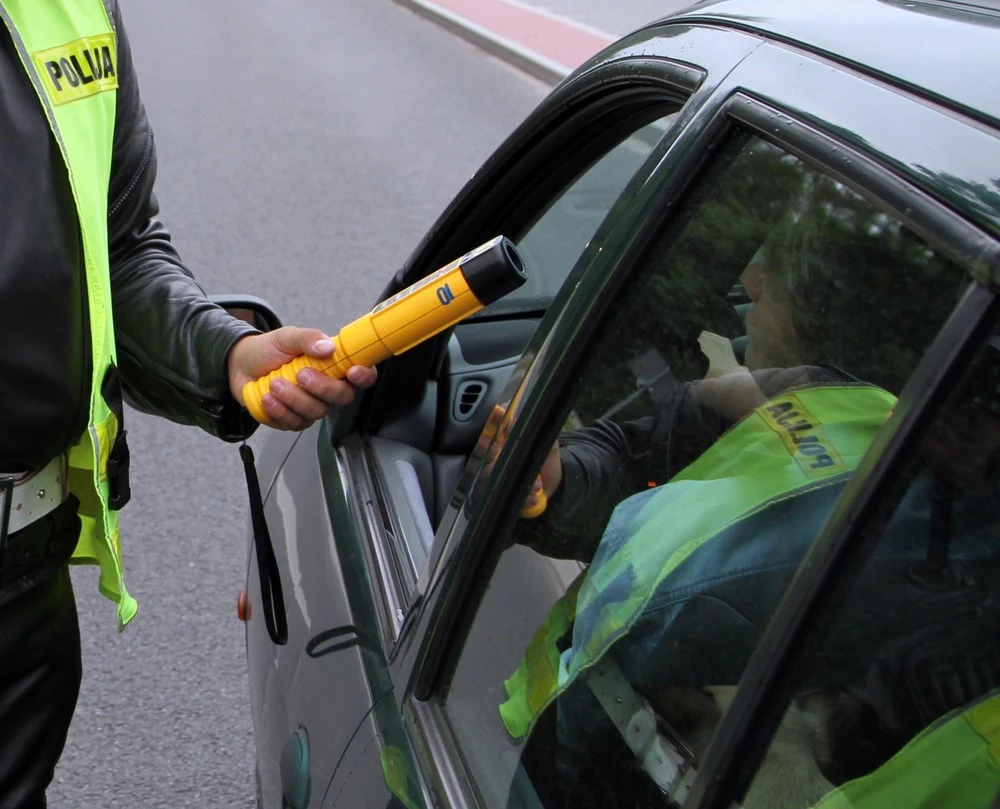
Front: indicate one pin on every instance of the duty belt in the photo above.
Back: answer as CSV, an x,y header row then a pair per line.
x,y
29,497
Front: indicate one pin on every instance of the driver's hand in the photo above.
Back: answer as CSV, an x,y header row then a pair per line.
x,y
732,396
549,477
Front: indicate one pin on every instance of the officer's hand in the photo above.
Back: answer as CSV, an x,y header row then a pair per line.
x,y
293,407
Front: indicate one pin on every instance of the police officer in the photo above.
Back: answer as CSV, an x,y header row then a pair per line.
x,y
93,298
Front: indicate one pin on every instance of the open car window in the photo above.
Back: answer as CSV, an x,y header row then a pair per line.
x,y
742,376
416,457
554,242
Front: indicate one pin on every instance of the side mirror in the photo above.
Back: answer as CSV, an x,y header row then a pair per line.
x,y
255,311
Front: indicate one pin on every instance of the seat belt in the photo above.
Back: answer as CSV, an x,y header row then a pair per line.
x,y
660,751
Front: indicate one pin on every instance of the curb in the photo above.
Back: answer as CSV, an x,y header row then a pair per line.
x,y
527,59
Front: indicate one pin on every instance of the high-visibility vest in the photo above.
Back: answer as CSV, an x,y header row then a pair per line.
x,y
794,443
69,51
953,764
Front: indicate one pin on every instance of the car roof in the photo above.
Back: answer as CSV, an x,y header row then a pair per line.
x,y
939,48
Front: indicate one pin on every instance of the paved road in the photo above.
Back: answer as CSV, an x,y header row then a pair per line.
x,y
304,149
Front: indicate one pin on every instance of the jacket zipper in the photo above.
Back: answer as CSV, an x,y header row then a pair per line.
x,y
146,155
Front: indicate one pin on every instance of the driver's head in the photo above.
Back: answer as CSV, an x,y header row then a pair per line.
x,y
846,287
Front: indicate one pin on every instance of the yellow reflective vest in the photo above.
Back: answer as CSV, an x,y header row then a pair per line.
x,y
795,442
69,51
953,764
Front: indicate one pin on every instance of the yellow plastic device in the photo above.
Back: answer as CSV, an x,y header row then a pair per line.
x,y
409,317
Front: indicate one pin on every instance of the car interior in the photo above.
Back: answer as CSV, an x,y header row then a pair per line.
x,y
905,645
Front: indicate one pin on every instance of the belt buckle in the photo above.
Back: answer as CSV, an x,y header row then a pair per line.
x,y
6,497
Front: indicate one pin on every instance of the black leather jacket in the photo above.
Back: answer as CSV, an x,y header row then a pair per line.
x,y
172,342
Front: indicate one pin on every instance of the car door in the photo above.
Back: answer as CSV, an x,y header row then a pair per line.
x,y
391,466
796,287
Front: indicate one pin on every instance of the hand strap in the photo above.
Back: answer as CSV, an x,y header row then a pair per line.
x,y
267,566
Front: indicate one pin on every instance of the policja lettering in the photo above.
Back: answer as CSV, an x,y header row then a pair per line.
x,y
802,435
79,69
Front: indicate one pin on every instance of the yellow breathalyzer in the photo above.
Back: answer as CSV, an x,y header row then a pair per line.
x,y
409,317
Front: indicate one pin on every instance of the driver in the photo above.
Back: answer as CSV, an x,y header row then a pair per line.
x,y
692,522
589,471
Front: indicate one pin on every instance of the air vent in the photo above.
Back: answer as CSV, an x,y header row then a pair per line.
x,y
467,399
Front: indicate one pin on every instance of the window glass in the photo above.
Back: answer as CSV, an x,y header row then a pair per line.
x,y
552,245
740,379
894,700
549,249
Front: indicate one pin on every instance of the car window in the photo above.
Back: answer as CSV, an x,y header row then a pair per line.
x,y
893,699
556,239
738,381
482,355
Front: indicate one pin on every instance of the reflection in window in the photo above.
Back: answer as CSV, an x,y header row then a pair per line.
x,y
742,378
899,683
551,246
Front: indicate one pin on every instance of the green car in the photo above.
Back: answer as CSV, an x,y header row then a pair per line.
x,y
707,512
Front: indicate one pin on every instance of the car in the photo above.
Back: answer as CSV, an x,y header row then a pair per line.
x,y
755,369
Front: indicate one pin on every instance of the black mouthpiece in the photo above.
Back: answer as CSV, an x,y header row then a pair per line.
x,y
495,271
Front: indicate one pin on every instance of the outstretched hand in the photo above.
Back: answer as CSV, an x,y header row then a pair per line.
x,y
549,477
290,406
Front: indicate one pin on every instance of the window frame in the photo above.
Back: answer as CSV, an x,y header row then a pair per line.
x,y
456,557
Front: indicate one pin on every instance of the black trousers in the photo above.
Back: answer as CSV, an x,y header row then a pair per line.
x,y
40,666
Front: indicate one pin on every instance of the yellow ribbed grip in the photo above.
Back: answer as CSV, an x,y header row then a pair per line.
x,y
253,391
